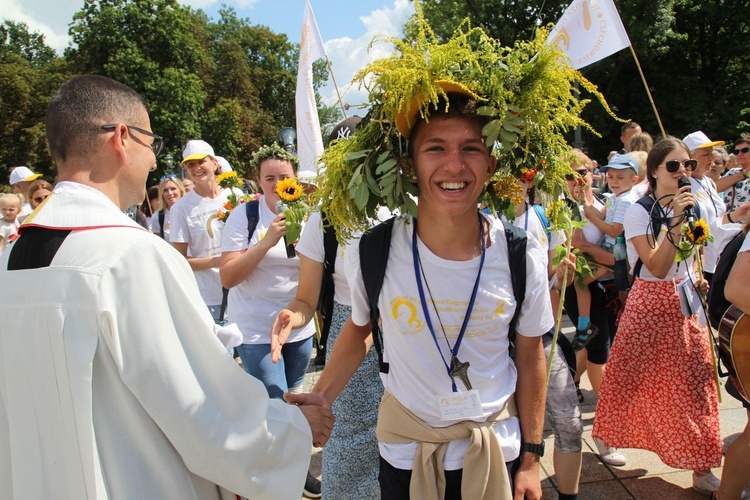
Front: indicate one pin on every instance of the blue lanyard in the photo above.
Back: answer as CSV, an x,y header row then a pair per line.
x,y
457,346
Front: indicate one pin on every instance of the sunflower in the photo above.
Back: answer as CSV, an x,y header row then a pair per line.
x,y
699,234
289,189
227,179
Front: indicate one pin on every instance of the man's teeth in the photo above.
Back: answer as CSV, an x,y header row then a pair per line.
x,y
452,186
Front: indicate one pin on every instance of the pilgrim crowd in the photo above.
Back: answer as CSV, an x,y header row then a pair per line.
x,y
125,337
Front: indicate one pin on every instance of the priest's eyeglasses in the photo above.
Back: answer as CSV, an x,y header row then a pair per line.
x,y
157,144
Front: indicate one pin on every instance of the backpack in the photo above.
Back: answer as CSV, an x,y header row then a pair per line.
x,y
160,215
717,302
252,209
657,219
374,247
327,287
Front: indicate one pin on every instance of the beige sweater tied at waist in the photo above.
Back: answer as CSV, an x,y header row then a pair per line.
x,y
485,476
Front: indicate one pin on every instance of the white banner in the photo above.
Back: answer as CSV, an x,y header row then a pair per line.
x,y
589,31
309,139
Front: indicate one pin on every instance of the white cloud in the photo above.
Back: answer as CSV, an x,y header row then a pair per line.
x,y
348,55
49,17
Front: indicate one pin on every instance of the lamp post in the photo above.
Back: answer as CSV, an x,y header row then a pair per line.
x,y
288,138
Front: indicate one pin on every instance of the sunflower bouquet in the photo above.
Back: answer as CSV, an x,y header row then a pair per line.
x,y
294,209
693,237
231,181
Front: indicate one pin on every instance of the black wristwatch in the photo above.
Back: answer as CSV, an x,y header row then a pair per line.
x,y
536,448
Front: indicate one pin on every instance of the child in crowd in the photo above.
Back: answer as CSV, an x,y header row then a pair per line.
x,y
10,204
621,174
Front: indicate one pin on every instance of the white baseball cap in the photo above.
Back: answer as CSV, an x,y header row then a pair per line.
x,y
196,150
22,174
224,165
699,140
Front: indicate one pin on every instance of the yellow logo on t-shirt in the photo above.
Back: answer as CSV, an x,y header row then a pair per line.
x,y
411,308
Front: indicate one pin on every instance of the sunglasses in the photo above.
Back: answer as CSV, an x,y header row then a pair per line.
x,y
674,165
581,171
168,176
156,145
744,150
40,199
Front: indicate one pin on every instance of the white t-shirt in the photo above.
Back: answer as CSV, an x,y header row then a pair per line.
x,y
195,223
254,303
311,245
745,245
417,373
637,223
591,233
156,228
7,229
616,208
712,210
532,223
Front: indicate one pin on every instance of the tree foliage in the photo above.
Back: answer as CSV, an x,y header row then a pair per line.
x,y
228,81
692,54
29,73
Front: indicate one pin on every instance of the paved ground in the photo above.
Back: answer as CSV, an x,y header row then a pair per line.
x,y
644,477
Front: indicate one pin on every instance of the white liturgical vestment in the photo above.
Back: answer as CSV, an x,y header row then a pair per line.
x,y
112,383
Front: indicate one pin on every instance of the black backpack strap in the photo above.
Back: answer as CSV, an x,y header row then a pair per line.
x,y
327,288
647,202
160,215
374,247
252,210
517,239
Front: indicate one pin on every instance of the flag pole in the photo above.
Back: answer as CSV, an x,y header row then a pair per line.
x,y
650,98
335,86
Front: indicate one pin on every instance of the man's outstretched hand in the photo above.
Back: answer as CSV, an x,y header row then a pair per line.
x,y
318,413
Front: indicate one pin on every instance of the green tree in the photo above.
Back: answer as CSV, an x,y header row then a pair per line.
x,y
29,74
15,38
156,47
691,52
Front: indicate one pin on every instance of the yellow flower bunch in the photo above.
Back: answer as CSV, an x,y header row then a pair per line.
x,y
289,189
693,237
526,93
228,179
699,234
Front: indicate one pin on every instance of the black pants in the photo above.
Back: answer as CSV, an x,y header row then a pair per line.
x,y
394,483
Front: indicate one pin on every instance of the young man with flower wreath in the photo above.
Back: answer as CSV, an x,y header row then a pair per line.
x,y
459,419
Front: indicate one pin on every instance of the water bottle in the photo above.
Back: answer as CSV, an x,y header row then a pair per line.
x,y
622,280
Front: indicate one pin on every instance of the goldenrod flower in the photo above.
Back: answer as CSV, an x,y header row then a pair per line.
x,y
506,188
289,189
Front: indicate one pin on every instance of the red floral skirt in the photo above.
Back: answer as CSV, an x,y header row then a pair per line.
x,y
658,391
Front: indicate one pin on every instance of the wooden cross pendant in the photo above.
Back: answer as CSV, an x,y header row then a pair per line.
x,y
460,370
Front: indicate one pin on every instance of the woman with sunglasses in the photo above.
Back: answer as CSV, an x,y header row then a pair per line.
x,y
658,392
170,190
735,183
38,192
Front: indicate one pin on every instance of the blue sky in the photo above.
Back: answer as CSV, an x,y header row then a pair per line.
x,y
347,27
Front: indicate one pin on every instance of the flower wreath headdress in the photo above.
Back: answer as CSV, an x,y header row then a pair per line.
x,y
527,93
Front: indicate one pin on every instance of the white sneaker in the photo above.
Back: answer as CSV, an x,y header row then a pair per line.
x,y
609,454
705,483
